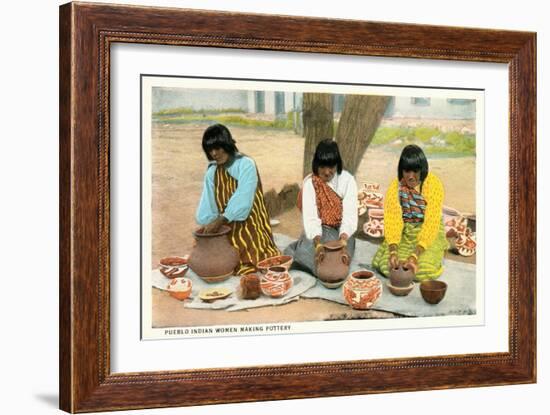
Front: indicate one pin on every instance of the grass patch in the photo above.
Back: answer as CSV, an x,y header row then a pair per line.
x,y
190,111
229,119
432,140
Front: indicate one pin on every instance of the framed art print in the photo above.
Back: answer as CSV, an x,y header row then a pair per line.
x,y
250,203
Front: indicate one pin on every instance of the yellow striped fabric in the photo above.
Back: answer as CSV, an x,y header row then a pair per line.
x,y
253,237
430,262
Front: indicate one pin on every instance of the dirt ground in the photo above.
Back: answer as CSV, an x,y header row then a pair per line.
x,y
178,168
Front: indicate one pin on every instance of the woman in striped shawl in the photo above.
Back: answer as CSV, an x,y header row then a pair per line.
x,y
232,194
328,201
413,223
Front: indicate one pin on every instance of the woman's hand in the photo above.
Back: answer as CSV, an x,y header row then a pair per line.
x,y
318,246
412,260
215,225
412,263
393,260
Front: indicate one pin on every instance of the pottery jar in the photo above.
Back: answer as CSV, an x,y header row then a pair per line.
x,y
402,276
375,225
213,258
362,289
276,282
332,264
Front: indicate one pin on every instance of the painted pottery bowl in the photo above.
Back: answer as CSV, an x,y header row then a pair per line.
x,y
362,289
450,213
180,288
466,244
284,261
433,291
174,266
374,227
400,291
276,282
374,200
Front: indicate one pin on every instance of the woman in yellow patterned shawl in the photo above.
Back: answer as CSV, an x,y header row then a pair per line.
x,y
413,224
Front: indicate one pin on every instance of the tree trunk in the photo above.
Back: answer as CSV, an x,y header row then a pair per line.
x,y
360,119
318,124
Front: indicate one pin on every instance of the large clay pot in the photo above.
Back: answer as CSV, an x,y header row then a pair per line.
x,y
402,276
362,289
333,264
276,282
213,258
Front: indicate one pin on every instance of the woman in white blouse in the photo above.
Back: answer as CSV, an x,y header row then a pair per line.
x,y
329,206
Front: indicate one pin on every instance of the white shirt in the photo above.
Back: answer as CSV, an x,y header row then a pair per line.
x,y
345,186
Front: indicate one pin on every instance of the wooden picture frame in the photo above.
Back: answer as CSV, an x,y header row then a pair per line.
x,y
87,32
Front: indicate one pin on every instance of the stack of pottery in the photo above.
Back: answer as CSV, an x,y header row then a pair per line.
x,y
333,264
450,217
362,289
375,225
369,197
461,238
401,280
276,282
213,258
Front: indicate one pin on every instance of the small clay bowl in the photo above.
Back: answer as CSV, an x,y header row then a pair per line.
x,y
174,266
433,291
400,291
212,294
180,288
274,261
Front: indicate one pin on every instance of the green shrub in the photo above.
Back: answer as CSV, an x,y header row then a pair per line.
x,y
455,143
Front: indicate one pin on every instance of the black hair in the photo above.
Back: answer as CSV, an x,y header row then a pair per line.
x,y
327,154
218,136
413,159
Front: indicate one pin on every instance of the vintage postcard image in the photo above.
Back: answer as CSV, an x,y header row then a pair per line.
x,y
278,207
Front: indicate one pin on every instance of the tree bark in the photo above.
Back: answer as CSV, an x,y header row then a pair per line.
x,y
359,121
318,122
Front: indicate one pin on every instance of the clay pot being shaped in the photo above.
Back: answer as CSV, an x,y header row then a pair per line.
x,y
401,276
333,264
213,258
276,282
362,289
